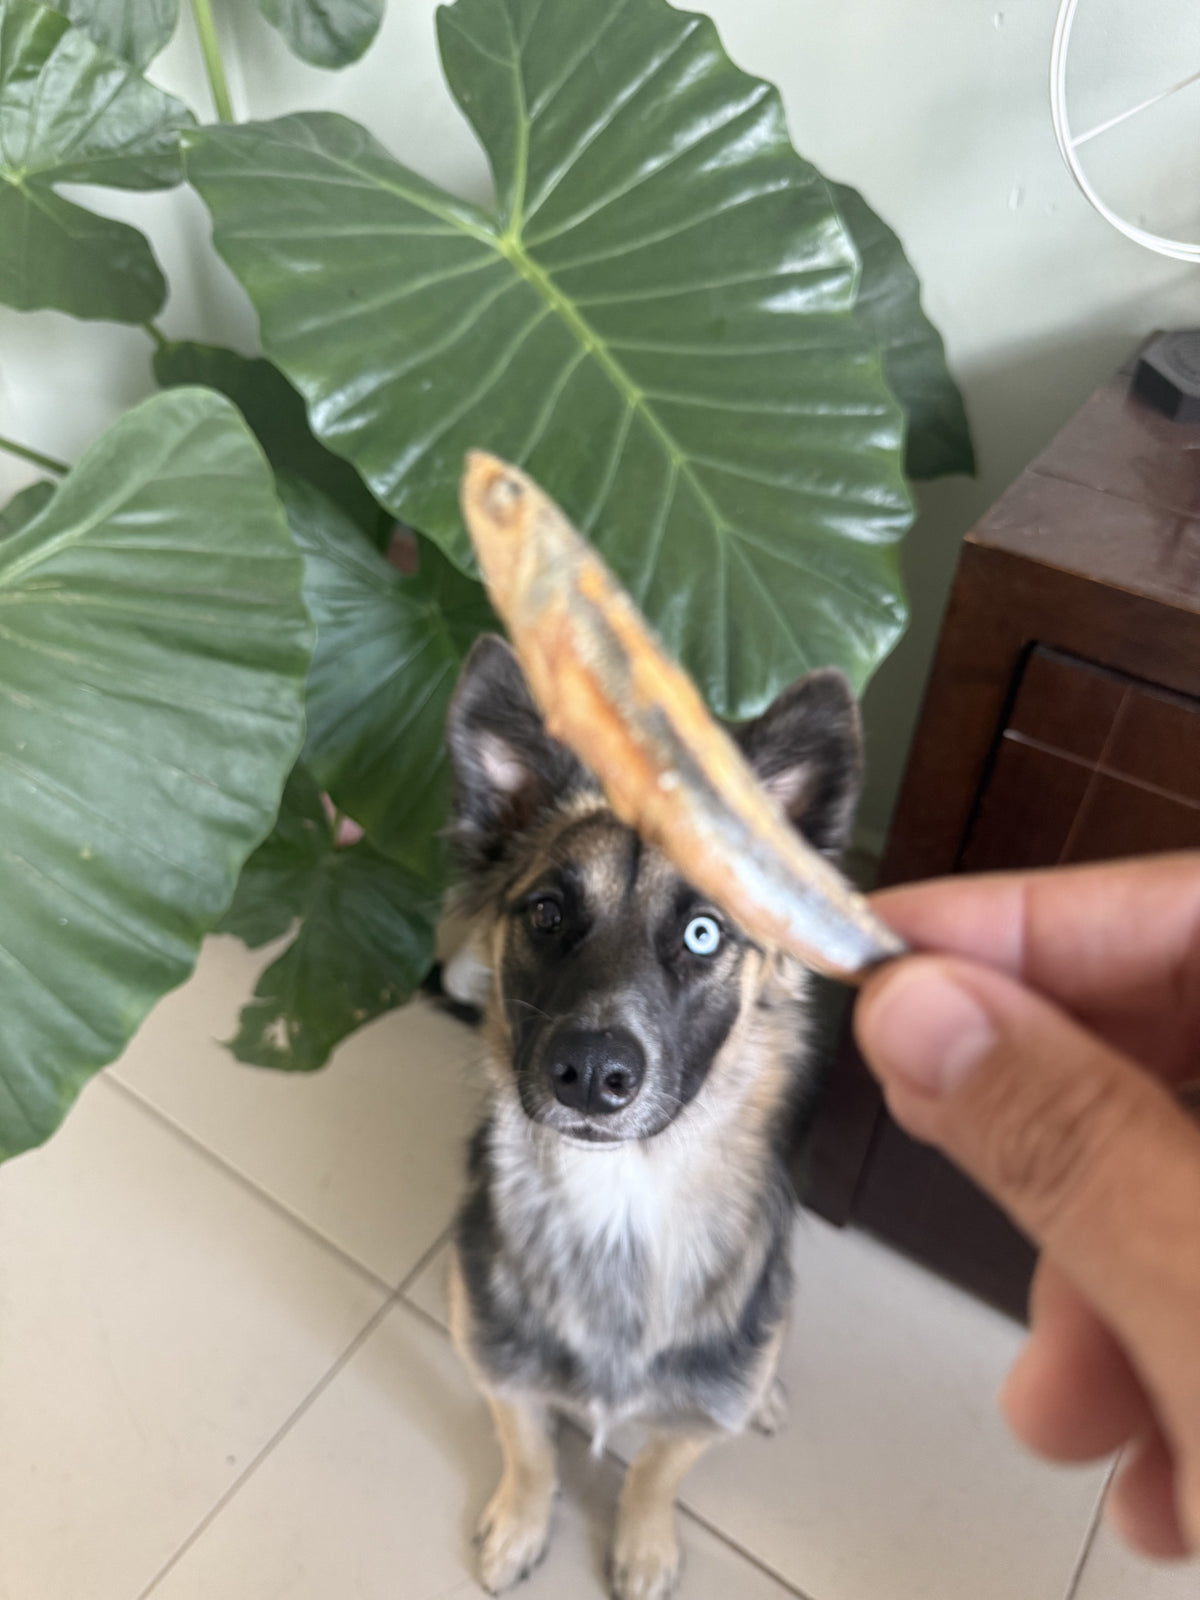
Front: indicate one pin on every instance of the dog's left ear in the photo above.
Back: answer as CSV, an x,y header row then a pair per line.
x,y
508,771
806,748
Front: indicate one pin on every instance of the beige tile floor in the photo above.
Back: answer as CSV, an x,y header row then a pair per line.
x,y
224,1373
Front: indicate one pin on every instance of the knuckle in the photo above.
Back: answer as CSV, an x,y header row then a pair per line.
x,y
1057,1151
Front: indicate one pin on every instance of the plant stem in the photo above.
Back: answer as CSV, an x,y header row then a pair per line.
x,y
213,65
160,339
34,457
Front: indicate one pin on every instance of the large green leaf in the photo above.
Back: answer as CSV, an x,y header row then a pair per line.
x,y
153,648
914,357
365,940
72,112
655,321
276,415
274,889
24,506
386,659
134,29
328,33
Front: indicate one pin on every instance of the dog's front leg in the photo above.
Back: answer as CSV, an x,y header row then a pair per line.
x,y
515,1528
645,1559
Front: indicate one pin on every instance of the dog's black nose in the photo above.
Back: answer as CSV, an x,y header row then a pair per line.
x,y
595,1072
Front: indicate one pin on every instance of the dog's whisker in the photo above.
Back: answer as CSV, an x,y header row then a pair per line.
x,y
512,1000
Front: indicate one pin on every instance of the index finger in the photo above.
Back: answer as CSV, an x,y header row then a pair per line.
x,y
1117,944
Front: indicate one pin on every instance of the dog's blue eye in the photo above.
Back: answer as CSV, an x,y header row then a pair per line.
x,y
702,936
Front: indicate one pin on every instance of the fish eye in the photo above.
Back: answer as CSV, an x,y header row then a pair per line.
x,y
544,914
702,936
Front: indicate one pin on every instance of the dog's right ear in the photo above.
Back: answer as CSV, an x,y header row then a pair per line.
x,y
508,771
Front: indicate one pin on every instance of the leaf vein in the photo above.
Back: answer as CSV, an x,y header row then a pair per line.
x,y
612,113
642,241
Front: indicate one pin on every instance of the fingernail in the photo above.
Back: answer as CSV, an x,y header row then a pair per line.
x,y
923,1029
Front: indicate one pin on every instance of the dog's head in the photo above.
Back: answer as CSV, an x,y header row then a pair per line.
x,y
614,983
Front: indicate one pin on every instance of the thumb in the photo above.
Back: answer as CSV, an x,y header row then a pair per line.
x,y
1088,1153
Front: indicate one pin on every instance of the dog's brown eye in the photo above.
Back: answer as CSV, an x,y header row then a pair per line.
x,y
545,914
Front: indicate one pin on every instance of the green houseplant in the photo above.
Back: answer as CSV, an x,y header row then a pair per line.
x,y
716,361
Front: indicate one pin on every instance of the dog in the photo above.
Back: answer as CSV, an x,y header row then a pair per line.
x,y
622,1252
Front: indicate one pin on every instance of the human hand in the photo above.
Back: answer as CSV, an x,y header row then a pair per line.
x,y
1042,1053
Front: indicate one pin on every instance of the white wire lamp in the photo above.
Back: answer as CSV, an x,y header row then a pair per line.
x,y
1069,143
1168,373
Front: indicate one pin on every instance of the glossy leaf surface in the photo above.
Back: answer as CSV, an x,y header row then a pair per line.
x,y
153,649
276,416
72,112
326,33
364,942
134,29
386,660
23,506
938,436
655,321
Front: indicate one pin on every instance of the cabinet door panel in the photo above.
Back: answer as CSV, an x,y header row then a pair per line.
x,y
1091,765
1027,811
1156,741
1125,819
1064,705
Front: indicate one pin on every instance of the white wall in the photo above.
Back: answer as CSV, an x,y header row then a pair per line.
x,y
936,109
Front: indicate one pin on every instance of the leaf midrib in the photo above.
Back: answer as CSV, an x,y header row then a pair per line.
x,y
635,397
510,246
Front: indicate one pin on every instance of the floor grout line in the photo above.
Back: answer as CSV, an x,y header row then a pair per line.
x,y
747,1556
1089,1537
395,1297
427,1256
280,1207
281,1433
616,1461
427,1317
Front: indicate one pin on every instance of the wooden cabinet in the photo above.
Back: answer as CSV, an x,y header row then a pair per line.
x,y
1061,723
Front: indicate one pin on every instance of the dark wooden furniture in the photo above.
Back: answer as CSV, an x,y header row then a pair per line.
x,y
1061,723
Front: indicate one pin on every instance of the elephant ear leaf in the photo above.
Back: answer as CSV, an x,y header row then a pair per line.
x,y
388,653
325,33
24,506
274,888
72,112
134,29
655,320
938,438
364,940
389,648
277,418
153,650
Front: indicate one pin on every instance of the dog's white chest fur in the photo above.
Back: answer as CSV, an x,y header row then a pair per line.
x,y
615,1196
640,1228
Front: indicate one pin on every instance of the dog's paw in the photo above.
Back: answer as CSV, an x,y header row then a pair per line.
x,y
645,1558
512,1536
772,1413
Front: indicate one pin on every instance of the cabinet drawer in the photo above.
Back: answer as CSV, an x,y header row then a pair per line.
x,y
1089,765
